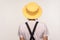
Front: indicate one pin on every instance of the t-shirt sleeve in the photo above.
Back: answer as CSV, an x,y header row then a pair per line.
x,y
45,31
20,32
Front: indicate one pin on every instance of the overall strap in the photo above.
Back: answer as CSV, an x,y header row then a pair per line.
x,y
28,28
35,27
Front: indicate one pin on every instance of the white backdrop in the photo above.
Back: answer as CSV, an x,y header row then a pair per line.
x,y
11,16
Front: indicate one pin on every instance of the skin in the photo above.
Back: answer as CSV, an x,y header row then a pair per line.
x,y
22,38
44,38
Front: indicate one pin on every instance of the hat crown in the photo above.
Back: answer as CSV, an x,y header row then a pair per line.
x,y
32,10
32,7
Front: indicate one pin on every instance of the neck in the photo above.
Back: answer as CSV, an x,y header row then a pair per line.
x,y
31,19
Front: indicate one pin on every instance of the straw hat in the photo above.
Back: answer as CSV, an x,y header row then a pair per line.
x,y
32,10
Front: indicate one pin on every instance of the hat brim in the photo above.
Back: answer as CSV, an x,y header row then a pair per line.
x,y
38,14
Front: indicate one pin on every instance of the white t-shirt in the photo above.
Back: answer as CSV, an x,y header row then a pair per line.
x,y
41,30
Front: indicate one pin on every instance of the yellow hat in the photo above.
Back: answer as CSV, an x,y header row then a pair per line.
x,y
32,11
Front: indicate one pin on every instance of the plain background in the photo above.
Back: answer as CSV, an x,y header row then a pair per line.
x,y
11,16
